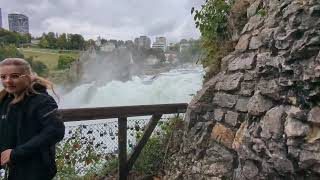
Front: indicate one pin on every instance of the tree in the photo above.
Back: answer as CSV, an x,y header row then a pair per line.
x,y
62,41
52,40
25,38
44,43
212,21
76,41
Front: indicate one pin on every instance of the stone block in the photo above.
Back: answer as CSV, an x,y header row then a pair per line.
x,y
223,135
225,100
231,118
258,104
244,61
242,104
218,114
230,82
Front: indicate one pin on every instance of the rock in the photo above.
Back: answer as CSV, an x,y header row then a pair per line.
x,y
255,42
231,118
252,10
272,123
218,153
230,82
225,100
314,134
225,61
249,75
237,141
242,104
218,114
243,43
314,115
282,45
308,158
254,22
269,88
250,170
295,128
247,88
208,116
244,61
282,164
266,59
315,11
258,104
223,135
291,9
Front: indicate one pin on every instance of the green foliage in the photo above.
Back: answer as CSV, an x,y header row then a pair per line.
x,y
64,62
262,12
9,51
212,21
77,158
64,41
8,37
151,159
38,67
44,43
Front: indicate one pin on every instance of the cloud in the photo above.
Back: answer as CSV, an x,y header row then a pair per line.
x,y
122,19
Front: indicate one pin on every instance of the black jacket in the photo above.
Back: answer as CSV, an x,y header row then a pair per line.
x,y
39,128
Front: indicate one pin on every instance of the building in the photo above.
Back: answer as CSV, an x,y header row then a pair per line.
x,y
18,23
161,40
142,42
108,47
1,19
160,43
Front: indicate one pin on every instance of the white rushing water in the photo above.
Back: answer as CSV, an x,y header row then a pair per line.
x,y
175,86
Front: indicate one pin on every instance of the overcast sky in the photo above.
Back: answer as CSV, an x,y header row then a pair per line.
x,y
117,19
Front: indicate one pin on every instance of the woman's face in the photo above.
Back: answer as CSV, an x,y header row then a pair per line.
x,y
13,79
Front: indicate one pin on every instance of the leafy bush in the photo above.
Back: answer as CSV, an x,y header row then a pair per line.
x,y
152,157
216,20
65,62
38,67
7,51
77,158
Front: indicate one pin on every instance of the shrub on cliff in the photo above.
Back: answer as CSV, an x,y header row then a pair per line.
x,y
217,20
65,62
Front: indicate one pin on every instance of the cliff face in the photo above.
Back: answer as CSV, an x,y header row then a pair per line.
x,y
259,118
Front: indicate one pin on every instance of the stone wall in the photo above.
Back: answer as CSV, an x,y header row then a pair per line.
x,y
259,118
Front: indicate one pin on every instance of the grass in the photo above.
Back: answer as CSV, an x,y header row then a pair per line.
x,y
48,56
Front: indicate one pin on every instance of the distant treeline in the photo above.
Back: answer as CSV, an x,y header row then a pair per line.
x,y
8,37
64,41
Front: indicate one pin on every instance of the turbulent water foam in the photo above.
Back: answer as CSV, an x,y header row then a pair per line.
x,y
175,86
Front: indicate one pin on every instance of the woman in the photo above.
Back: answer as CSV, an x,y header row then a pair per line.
x,y
29,123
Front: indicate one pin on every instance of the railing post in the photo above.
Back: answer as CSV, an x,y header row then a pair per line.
x,y
145,137
122,145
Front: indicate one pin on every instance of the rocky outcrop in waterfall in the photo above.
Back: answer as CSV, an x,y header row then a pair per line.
x,y
259,118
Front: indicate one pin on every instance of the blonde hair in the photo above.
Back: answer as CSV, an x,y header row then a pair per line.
x,y
34,79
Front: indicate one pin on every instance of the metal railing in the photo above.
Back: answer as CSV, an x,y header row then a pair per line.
x,y
122,113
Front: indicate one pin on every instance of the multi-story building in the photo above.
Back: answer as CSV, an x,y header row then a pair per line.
x,y
1,19
161,40
108,47
142,42
160,43
18,23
